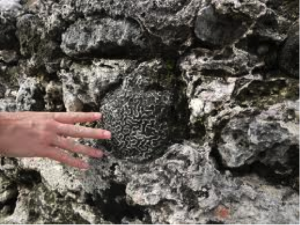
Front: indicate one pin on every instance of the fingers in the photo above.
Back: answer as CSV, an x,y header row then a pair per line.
x,y
63,117
71,145
60,156
82,132
75,117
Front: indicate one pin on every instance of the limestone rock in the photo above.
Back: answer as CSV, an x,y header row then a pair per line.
x,y
216,30
105,37
182,187
30,96
289,57
89,83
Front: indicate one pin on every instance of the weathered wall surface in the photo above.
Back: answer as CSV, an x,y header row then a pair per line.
x,y
201,96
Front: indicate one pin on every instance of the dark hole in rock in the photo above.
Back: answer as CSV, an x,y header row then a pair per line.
x,y
293,154
8,203
114,206
265,171
12,205
28,178
199,130
216,156
214,222
191,197
218,73
257,45
113,167
225,54
262,155
289,53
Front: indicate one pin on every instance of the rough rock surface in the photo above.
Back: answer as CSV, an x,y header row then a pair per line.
x,y
201,96
103,37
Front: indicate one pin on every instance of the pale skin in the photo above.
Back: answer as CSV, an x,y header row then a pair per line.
x,y
49,135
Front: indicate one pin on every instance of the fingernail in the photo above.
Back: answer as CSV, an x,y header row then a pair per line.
x,y
97,116
99,154
107,134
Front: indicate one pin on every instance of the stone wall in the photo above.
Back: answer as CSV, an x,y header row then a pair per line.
x,y
201,96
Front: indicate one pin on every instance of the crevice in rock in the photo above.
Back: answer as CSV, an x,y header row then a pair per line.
x,y
214,222
8,194
28,178
115,208
217,158
265,49
9,206
269,173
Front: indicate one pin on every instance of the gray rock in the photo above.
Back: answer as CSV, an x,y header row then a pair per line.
x,y
8,56
266,137
8,38
229,62
183,186
243,139
103,37
28,34
167,22
289,56
213,29
30,96
39,40
8,105
53,97
88,84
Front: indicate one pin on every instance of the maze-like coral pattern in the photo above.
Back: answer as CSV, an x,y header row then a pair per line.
x,y
139,122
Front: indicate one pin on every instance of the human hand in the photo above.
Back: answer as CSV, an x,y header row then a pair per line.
x,y
44,134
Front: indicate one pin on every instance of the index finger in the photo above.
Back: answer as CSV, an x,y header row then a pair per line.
x,y
75,117
82,132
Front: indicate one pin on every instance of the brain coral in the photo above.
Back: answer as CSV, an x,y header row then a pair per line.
x,y
139,119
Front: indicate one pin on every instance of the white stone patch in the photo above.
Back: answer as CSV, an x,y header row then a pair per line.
x,y
207,95
6,5
54,174
96,79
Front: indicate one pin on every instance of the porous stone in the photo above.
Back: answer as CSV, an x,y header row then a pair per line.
x,y
168,22
183,187
7,105
229,62
87,84
266,137
104,37
7,35
53,97
217,30
30,95
289,54
8,56
28,33
10,7
39,38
